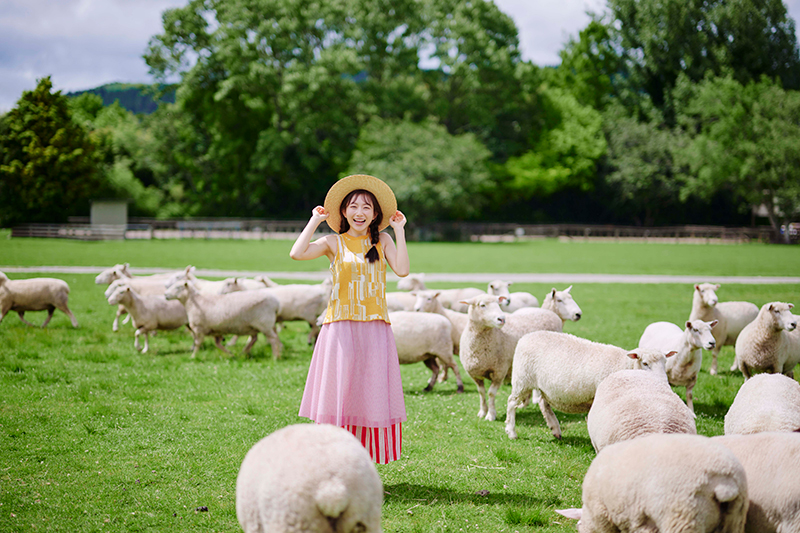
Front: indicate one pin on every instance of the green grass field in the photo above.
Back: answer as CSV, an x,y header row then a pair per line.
x,y
95,436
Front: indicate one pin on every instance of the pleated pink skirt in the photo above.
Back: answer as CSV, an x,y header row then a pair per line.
x,y
354,382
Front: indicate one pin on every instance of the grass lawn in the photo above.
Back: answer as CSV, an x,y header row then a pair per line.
x,y
95,436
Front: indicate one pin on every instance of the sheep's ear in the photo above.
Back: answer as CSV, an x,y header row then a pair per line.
x,y
633,355
688,324
670,354
697,287
574,514
713,323
716,287
771,307
413,293
126,265
568,289
510,283
465,302
553,292
437,294
501,299
791,306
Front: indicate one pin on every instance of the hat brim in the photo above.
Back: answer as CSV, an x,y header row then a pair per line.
x,y
383,193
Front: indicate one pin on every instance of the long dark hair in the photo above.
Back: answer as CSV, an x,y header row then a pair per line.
x,y
374,233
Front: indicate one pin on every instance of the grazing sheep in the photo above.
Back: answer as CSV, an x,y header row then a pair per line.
x,y
454,298
682,370
239,313
424,337
149,312
773,479
731,317
35,294
412,282
666,483
770,343
309,477
297,302
632,403
561,371
514,300
765,402
488,342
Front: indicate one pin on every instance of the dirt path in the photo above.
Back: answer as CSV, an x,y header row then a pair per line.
x,y
444,277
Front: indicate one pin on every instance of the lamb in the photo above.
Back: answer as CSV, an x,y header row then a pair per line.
x,y
682,370
424,337
632,403
667,483
773,479
770,343
488,342
731,317
149,312
35,294
239,313
297,302
412,282
514,300
309,477
765,402
561,371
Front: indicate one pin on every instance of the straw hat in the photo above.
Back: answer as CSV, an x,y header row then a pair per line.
x,y
383,193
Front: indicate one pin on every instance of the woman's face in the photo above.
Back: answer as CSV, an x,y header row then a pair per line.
x,y
360,213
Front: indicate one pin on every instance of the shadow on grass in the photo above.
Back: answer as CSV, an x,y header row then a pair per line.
x,y
407,493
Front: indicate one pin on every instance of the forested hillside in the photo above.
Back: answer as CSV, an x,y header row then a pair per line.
x,y
135,97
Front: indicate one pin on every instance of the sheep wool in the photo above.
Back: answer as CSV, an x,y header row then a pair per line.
x,y
770,343
35,294
765,402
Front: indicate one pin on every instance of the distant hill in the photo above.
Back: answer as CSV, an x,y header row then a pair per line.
x,y
135,97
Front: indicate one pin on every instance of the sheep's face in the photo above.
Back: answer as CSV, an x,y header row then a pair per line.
x,y
118,295
707,292
179,276
782,316
412,282
500,288
231,285
3,279
178,291
564,305
485,310
113,288
650,360
426,301
700,334
110,274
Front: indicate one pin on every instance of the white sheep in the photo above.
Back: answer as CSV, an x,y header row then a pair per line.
x,y
632,403
34,294
246,284
514,300
424,337
731,317
203,285
297,301
120,273
428,302
770,343
309,477
149,312
412,282
454,298
238,313
773,479
667,483
683,368
400,301
562,304
488,342
561,371
765,402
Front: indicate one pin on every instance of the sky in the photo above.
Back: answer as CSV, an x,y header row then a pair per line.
x,y
82,44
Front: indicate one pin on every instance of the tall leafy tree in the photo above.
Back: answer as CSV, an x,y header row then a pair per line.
x,y
47,162
745,138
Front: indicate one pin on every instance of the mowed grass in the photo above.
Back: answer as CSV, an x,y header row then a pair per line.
x,y
95,436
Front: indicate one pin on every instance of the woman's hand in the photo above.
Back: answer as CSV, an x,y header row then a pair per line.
x,y
398,220
319,213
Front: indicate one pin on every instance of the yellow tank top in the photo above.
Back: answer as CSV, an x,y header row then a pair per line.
x,y
359,287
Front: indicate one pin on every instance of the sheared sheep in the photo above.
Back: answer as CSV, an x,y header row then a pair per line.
x,y
770,343
34,294
149,312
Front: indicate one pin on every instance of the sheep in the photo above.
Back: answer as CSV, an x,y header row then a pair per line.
x,y
564,371
731,317
454,298
424,337
400,301
309,477
632,403
35,294
682,370
514,300
562,304
204,285
412,282
770,343
487,344
122,270
765,402
120,273
149,312
245,284
663,482
240,313
428,302
773,479
297,302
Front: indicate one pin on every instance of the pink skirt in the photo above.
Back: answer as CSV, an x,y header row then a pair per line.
x,y
354,377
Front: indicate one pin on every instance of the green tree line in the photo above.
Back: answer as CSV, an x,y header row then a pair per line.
x,y
661,111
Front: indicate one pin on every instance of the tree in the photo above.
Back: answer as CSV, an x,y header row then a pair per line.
x,y
434,175
745,138
48,164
